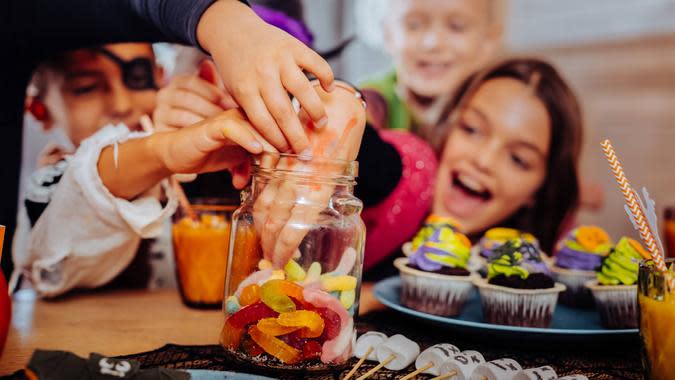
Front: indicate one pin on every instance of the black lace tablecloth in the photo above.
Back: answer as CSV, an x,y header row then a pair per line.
x,y
606,359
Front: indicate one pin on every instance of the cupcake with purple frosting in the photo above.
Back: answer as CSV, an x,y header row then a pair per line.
x,y
576,261
519,289
435,278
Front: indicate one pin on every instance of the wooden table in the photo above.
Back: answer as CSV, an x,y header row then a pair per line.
x,y
129,322
111,323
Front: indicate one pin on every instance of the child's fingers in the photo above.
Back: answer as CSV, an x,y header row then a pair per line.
x,y
175,117
301,218
199,86
279,105
298,85
228,102
278,213
208,72
241,174
230,128
312,62
227,158
239,133
257,113
193,102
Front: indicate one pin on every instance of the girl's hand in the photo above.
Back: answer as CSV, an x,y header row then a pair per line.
x,y
259,64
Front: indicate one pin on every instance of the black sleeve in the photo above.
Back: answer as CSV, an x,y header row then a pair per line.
x,y
42,27
31,30
380,168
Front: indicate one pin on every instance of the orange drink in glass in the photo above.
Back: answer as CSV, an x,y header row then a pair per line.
x,y
657,313
200,248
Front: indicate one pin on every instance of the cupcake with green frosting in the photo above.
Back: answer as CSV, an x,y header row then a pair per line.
x,y
615,286
519,289
435,278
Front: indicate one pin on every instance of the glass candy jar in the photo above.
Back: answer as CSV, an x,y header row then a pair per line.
x,y
294,266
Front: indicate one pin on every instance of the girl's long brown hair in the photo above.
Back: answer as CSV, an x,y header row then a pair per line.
x,y
558,197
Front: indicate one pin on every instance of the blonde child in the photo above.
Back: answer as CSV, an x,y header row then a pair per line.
x,y
434,46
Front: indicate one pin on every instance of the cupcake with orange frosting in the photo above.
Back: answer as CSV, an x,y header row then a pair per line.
x,y
576,261
435,277
615,286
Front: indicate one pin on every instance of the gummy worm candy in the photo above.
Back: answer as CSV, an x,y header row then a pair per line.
x,y
271,326
310,320
276,293
274,346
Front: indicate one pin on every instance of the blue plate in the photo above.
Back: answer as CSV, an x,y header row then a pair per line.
x,y
200,374
568,323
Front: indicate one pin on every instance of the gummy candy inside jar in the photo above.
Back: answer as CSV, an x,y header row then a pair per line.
x,y
294,268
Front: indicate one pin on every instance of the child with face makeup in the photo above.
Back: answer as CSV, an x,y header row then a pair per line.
x,y
82,91
104,203
79,92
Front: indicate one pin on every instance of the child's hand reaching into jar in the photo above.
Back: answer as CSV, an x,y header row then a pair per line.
x,y
285,210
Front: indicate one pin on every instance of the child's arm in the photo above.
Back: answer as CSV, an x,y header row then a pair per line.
x,y
214,144
92,227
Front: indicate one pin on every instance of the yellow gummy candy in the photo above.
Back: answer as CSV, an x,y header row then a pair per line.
x,y
310,320
338,283
264,264
294,271
277,274
314,272
347,298
274,294
271,327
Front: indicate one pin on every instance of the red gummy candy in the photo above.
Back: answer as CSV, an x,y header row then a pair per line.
x,y
293,339
251,348
331,321
251,314
230,336
302,304
311,350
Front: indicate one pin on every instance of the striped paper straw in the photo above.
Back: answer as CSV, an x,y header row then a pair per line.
x,y
646,233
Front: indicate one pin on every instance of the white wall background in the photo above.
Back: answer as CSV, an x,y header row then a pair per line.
x,y
530,25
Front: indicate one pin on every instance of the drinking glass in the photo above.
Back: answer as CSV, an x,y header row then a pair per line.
x,y
657,313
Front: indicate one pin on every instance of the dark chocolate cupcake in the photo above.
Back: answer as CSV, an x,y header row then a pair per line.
x,y
519,289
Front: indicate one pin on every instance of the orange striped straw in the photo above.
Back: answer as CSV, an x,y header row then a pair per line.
x,y
646,233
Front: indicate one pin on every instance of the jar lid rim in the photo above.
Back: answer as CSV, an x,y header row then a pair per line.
x,y
351,166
